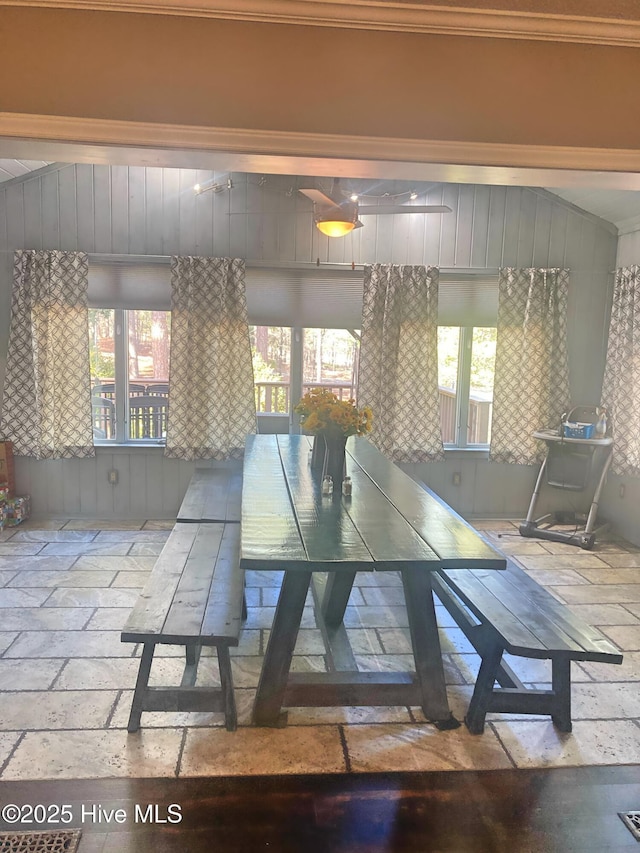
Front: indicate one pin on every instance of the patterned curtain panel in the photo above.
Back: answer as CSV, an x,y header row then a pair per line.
x,y
212,402
47,393
398,374
531,389
621,386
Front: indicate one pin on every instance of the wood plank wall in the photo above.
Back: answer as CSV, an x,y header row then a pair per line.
x,y
136,210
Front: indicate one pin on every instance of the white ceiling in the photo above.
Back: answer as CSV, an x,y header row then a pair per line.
x,y
620,207
15,168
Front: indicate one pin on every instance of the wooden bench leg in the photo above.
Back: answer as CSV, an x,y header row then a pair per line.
x,y
192,658
226,680
142,684
485,681
561,686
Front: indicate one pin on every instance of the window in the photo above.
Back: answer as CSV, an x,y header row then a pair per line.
x,y
327,357
129,354
466,363
330,359
271,352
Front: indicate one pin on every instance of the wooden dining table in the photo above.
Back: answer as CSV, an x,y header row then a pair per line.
x,y
390,523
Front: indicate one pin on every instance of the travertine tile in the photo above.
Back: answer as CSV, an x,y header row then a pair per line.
x,y
607,575
375,595
628,670
528,670
167,719
86,597
34,710
246,669
632,607
591,701
65,644
537,743
351,716
28,674
114,564
268,596
8,741
553,562
37,563
69,536
71,578
599,593
254,751
604,614
364,641
38,523
395,748
10,597
626,637
397,641
517,546
45,618
159,524
7,577
95,755
404,663
7,638
256,578
375,617
105,536
108,618
76,549
103,524
481,524
130,580
549,577
379,579
20,549
116,673
622,560
143,549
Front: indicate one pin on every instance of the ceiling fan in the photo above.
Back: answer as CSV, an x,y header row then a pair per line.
x,y
336,215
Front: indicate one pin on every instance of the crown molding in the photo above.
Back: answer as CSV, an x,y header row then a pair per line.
x,y
395,16
103,141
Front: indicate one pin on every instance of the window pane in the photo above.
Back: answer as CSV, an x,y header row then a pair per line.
x,y
102,360
330,359
483,358
271,351
448,354
148,377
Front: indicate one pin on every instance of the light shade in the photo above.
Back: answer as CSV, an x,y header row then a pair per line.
x,y
336,220
335,227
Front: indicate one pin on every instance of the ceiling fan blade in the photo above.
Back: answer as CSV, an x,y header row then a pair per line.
x,y
318,197
382,209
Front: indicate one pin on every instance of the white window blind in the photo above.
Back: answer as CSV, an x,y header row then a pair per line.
x,y
143,285
467,299
308,297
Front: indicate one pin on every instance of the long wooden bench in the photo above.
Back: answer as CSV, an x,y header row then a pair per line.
x,y
194,598
508,611
213,495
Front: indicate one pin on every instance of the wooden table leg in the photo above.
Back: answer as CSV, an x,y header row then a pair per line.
x,y
334,603
426,647
282,641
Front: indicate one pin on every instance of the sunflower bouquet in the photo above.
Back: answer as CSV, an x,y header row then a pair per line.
x,y
322,412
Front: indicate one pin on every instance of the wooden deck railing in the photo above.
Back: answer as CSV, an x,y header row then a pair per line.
x,y
274,398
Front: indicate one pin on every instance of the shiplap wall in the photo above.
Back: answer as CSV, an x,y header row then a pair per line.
x,y
135,210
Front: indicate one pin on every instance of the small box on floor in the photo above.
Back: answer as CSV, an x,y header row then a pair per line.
x,y
17,510
7,473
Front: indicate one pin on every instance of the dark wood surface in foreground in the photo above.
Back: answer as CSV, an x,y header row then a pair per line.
x,y
566,809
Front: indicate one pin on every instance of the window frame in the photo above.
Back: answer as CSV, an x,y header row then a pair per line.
x,y
121,382
463,392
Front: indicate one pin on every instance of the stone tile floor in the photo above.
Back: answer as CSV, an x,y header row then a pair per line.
x,y
66,680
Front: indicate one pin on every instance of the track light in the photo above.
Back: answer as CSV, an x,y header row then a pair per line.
x,y
414,195
215,188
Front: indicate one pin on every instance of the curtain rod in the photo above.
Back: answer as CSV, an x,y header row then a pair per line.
x,y
286,265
